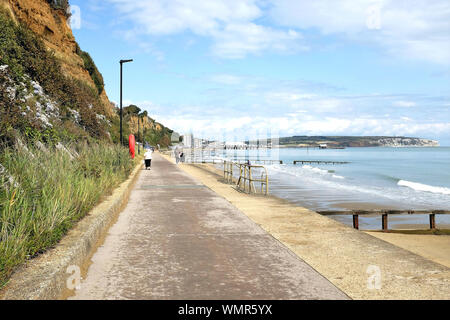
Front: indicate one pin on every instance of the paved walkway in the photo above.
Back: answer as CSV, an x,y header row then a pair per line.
x,y
177,239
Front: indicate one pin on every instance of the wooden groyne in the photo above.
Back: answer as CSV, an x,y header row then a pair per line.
x,y
384,214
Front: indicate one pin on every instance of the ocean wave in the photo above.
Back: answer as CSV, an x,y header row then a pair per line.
x,y
314,169
423,187
305,171
329,180
388,178
306,178
323,172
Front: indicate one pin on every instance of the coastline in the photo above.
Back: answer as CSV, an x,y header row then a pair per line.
x,y
432,247
340,253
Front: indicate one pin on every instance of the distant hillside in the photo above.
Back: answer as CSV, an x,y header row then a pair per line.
x,y
355,141
149,130
50,90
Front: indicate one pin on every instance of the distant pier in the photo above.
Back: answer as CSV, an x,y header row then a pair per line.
x,y
319,162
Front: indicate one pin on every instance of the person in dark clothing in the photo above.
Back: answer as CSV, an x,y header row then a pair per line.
x,y
148,158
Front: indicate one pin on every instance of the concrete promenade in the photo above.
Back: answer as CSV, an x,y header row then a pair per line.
x,y
177,239
362,266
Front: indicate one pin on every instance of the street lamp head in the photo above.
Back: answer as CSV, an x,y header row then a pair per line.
x,y
125,61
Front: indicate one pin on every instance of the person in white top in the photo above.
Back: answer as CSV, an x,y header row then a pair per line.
x,y
148,155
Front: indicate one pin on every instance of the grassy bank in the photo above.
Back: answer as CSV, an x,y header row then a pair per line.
x,y
49,192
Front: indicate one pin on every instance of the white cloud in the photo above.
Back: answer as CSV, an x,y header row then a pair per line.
x,y
287,96
418,29
406,104
286,126
296,100
227,79
229,23
209,122
162,17
237,40
293,108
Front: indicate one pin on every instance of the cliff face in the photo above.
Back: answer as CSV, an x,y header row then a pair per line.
x,y
407,142
354,141
51,90
145,123
149,130
52,26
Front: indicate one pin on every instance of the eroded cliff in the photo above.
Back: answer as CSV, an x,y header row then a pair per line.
x,y
53,27
50,88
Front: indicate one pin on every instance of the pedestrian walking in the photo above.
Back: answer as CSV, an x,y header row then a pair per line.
x,y
182,157
148,159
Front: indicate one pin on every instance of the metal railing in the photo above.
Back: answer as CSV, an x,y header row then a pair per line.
x,y
246,180
228,170
384,214
203,160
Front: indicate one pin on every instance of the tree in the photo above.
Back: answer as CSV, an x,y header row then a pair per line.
x,y
59,4
132,110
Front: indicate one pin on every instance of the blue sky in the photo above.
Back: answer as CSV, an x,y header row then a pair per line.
x,y
323,67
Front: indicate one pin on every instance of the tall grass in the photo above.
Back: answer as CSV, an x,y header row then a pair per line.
x,y
52,192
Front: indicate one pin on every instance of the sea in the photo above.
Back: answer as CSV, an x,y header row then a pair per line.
x,y
410,178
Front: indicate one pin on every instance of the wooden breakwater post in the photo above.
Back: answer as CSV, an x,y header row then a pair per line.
x,y
432,221
355,221
384,215
384,222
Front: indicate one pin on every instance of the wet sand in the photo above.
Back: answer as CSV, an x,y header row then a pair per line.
x,y
364,206
343,255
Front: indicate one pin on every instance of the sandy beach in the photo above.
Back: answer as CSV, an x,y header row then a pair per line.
x,y
432,247
340,253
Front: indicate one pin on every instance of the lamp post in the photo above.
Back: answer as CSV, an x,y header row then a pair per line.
x,y
121,110
139,136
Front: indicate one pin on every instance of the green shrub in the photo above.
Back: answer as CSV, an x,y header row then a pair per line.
x,y
59,4
53,192
90,66
131,110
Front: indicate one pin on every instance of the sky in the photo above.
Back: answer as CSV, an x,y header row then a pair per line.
x,y
249,68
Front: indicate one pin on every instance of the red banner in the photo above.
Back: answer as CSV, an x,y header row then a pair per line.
x,y
132,143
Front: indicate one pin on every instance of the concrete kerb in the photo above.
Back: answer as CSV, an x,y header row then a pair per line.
x,y
46,277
